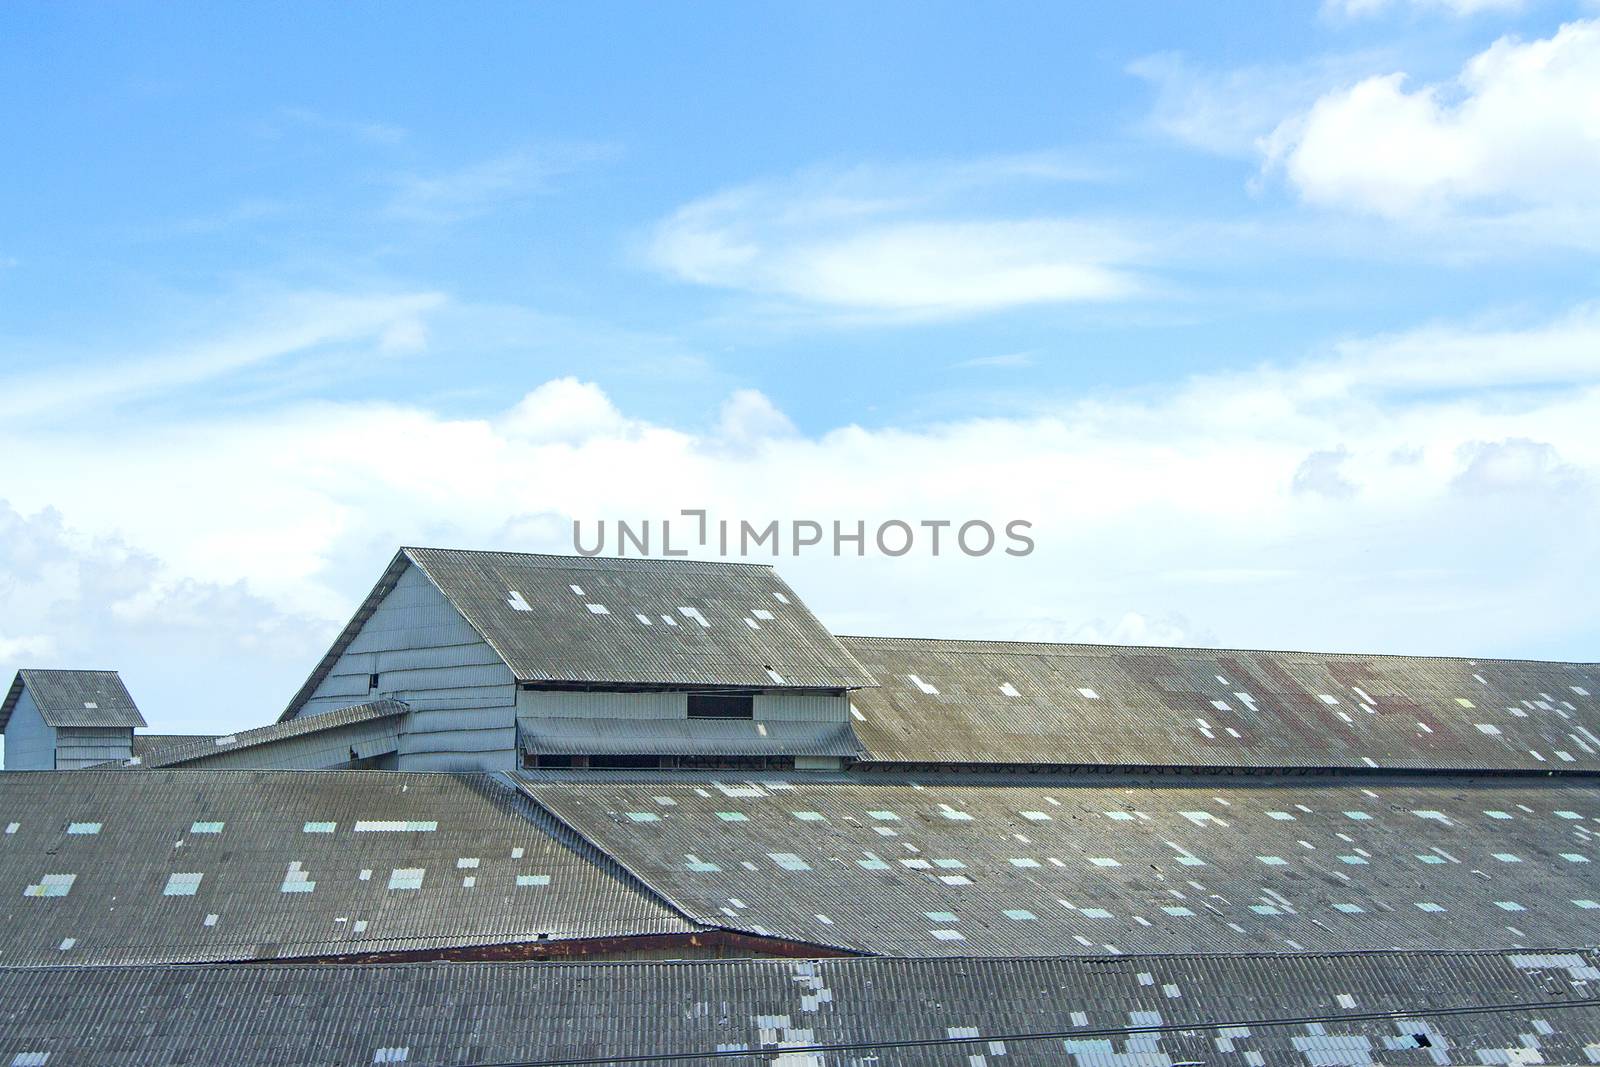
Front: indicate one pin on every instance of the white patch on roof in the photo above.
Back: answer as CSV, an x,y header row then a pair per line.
x,y
517,602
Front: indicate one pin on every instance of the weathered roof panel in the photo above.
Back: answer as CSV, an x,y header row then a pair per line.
x,y
1413,1008
668,622
187,865
1037,865
74,699
1013,703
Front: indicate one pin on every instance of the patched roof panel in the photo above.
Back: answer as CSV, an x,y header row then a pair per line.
x,y
1015,702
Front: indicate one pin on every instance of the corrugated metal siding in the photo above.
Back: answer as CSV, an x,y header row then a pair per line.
x,y
538,703
1392,1009
560,637
282,856
30,741
686,737
427,655
1000,702
79,747
1039,864
802,707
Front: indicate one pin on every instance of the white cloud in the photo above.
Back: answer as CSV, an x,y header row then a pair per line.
x,y
1175,515
895,243
71,599
748,418
564,409
1516,130
1228,112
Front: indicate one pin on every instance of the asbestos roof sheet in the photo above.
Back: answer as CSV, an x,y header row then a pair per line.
x,y
667,622
688,737
186,865
1014,703
198,751
1034,864
1414,1008
84,699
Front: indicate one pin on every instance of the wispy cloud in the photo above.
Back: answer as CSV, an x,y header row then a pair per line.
x,y
377,133
290,325
487,185
1458,8
898,243
1008,359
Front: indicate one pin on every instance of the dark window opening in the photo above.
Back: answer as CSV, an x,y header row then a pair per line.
x,y
1422,1040
623,763
372,682
722,706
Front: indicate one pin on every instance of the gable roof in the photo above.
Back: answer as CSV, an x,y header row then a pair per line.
x,y
604,621
1001,702
74,699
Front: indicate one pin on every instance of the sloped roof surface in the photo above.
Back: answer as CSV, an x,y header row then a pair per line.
x,y
145,744
689,737
1290,1011
200,750
1007,702
175,866
75,699
1033,865
578,619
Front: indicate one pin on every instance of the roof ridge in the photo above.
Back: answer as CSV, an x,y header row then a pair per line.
x,y
628,560
1207,648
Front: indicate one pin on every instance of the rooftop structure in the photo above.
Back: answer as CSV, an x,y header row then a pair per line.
x,y
63,720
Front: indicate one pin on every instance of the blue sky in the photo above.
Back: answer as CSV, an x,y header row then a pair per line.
x,y
1277,320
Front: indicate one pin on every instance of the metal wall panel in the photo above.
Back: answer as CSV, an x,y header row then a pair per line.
x,y
30,742
601,705
79,747
426,654
799,706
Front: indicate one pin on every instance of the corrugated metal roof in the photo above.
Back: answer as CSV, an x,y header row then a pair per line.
x,y
688,737
74,699
582,620
1316,1010
577,619
198,750
967,865
145,744
1013,702
193,865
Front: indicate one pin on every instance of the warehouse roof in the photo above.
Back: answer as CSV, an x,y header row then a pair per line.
x,y
379,736
74,699
1012,703
1154,1011
174,866
1038,865
648,622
